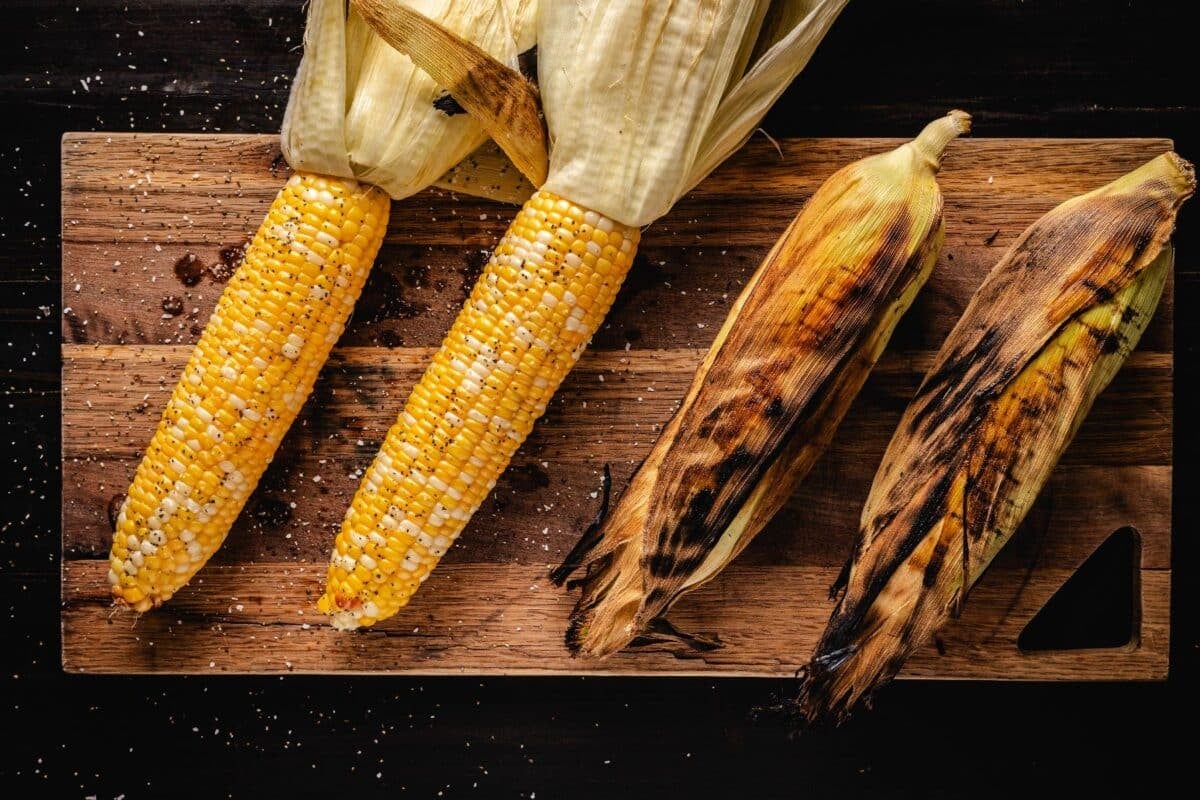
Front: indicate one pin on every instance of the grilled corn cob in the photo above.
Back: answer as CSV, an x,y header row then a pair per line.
x,y
791,356
1040,339
641,101
358,110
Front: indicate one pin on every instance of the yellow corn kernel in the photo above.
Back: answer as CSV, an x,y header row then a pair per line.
x,y
249,374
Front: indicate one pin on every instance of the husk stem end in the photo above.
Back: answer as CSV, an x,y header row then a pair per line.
x,y
932,141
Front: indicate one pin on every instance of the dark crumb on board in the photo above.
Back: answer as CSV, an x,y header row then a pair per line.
x,y
992,236
172,305
189,270
389,338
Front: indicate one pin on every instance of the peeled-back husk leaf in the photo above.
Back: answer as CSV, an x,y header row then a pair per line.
x,y
498,97
791,356
359,109
789,38
1040,339
635,93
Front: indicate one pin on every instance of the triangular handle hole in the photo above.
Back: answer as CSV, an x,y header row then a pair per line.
x,y
1097,607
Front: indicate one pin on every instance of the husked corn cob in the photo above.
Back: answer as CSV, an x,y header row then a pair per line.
x,y
247,378
784,368
530,316
1041,338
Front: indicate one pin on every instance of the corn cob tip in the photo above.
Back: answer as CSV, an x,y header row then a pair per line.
x,y
1169,177
347,613
126,599
931,142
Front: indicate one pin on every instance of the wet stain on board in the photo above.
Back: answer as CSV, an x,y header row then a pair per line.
x,y
415,276
383,299
390,339
77,327
271,512
189,269
229,258
472,268
527,478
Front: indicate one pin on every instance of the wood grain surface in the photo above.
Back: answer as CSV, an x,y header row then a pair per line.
x,y
134,205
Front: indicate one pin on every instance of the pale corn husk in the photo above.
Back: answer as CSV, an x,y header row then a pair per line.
x,y
789,37
488,172
644,99
790,358
358,109
498,97
1040,339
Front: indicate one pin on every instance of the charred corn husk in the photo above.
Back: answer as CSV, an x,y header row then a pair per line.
x,y
791,356
360,117
641,101
1040,339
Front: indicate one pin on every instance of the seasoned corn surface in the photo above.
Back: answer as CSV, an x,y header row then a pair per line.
x,y
255,364
530,316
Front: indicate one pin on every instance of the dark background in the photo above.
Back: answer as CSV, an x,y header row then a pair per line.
x,y
1021,68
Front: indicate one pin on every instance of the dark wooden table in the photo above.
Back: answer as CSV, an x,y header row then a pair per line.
x,y
1022,68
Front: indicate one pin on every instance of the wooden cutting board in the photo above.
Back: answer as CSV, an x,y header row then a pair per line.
x,y
135,204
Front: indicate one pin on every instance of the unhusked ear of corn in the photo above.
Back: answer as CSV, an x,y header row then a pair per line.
x,y
631,92
1041,338
791,356
354,102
